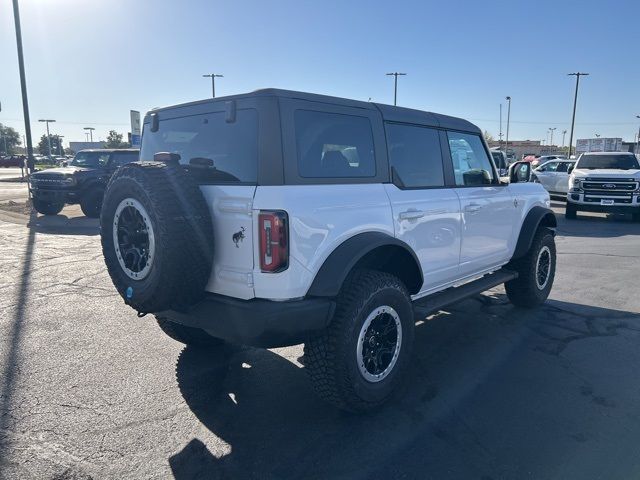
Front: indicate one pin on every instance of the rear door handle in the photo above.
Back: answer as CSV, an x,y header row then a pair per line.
x,y
472,208
411,214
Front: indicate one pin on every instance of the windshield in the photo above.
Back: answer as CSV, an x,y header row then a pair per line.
x,y
622,162
216,150
90,159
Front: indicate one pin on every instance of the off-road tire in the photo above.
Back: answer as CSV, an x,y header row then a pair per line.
x,y
182,230
524,291
570,211
47,208
91,203
331,359
188,335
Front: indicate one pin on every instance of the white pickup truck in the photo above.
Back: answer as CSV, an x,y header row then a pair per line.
x,y
607,182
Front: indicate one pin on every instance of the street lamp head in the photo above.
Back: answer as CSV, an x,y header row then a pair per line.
x,y
508,98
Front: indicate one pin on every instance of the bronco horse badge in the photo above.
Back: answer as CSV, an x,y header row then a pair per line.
x,y
238,237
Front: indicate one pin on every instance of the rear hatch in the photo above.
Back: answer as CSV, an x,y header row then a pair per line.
x,y
222,157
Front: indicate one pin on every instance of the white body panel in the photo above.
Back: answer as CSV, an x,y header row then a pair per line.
x,y
429,221
231,211
321,217
488,227
453,244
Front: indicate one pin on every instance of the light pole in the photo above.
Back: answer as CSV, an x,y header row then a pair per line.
x,y
500,134
60,149
564,132
506,143
551,129
23,86
213,82
638,140
90,129
575,101
395,85
48,136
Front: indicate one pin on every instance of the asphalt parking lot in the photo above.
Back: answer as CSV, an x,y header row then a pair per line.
x,y
88,390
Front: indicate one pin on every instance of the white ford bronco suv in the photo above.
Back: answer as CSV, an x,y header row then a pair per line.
x,y
277,217
607,182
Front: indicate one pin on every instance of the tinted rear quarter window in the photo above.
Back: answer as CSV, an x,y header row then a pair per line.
x,y
332,145
216,150
415,155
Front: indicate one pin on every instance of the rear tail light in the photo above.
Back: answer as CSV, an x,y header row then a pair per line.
x,y
274,241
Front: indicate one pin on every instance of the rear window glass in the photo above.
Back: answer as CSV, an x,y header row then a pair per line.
x,y
334,145
415,155
217,150
624,162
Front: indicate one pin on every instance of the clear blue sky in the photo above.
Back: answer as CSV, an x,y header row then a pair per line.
x,y
89,62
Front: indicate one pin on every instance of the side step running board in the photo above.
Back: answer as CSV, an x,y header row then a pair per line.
x,y
432,303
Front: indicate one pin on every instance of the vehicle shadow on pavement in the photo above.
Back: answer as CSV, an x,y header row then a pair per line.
x,y
63,225
488,387
12,339
597,226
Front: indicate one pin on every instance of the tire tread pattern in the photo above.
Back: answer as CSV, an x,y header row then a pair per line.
x,y
182,228
324,356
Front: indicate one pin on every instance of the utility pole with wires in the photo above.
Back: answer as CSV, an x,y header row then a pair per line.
x,y
564,132
395,85
575,101
213,77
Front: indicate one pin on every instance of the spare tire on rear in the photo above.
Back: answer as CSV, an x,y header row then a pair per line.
x,y
157,236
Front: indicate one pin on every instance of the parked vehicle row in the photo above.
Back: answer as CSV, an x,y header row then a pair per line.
x,y
83,181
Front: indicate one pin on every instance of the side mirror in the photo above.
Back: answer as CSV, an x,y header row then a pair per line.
x,y
570,168
520,172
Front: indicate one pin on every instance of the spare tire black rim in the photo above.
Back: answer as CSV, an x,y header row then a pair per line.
x,y
133,239
379,344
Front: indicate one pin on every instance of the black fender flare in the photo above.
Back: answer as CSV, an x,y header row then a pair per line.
x,y
535,217
329,279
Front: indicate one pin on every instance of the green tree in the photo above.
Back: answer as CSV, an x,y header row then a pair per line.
x,y
9,140
114,140
56,145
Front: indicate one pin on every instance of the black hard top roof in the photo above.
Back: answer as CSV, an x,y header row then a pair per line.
x,y
389,112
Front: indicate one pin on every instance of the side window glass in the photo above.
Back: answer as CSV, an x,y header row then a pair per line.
x,y
551,167
103,159
415,155
334,145
471,165
562,167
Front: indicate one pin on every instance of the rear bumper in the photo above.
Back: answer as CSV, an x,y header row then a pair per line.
x,y
257,322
